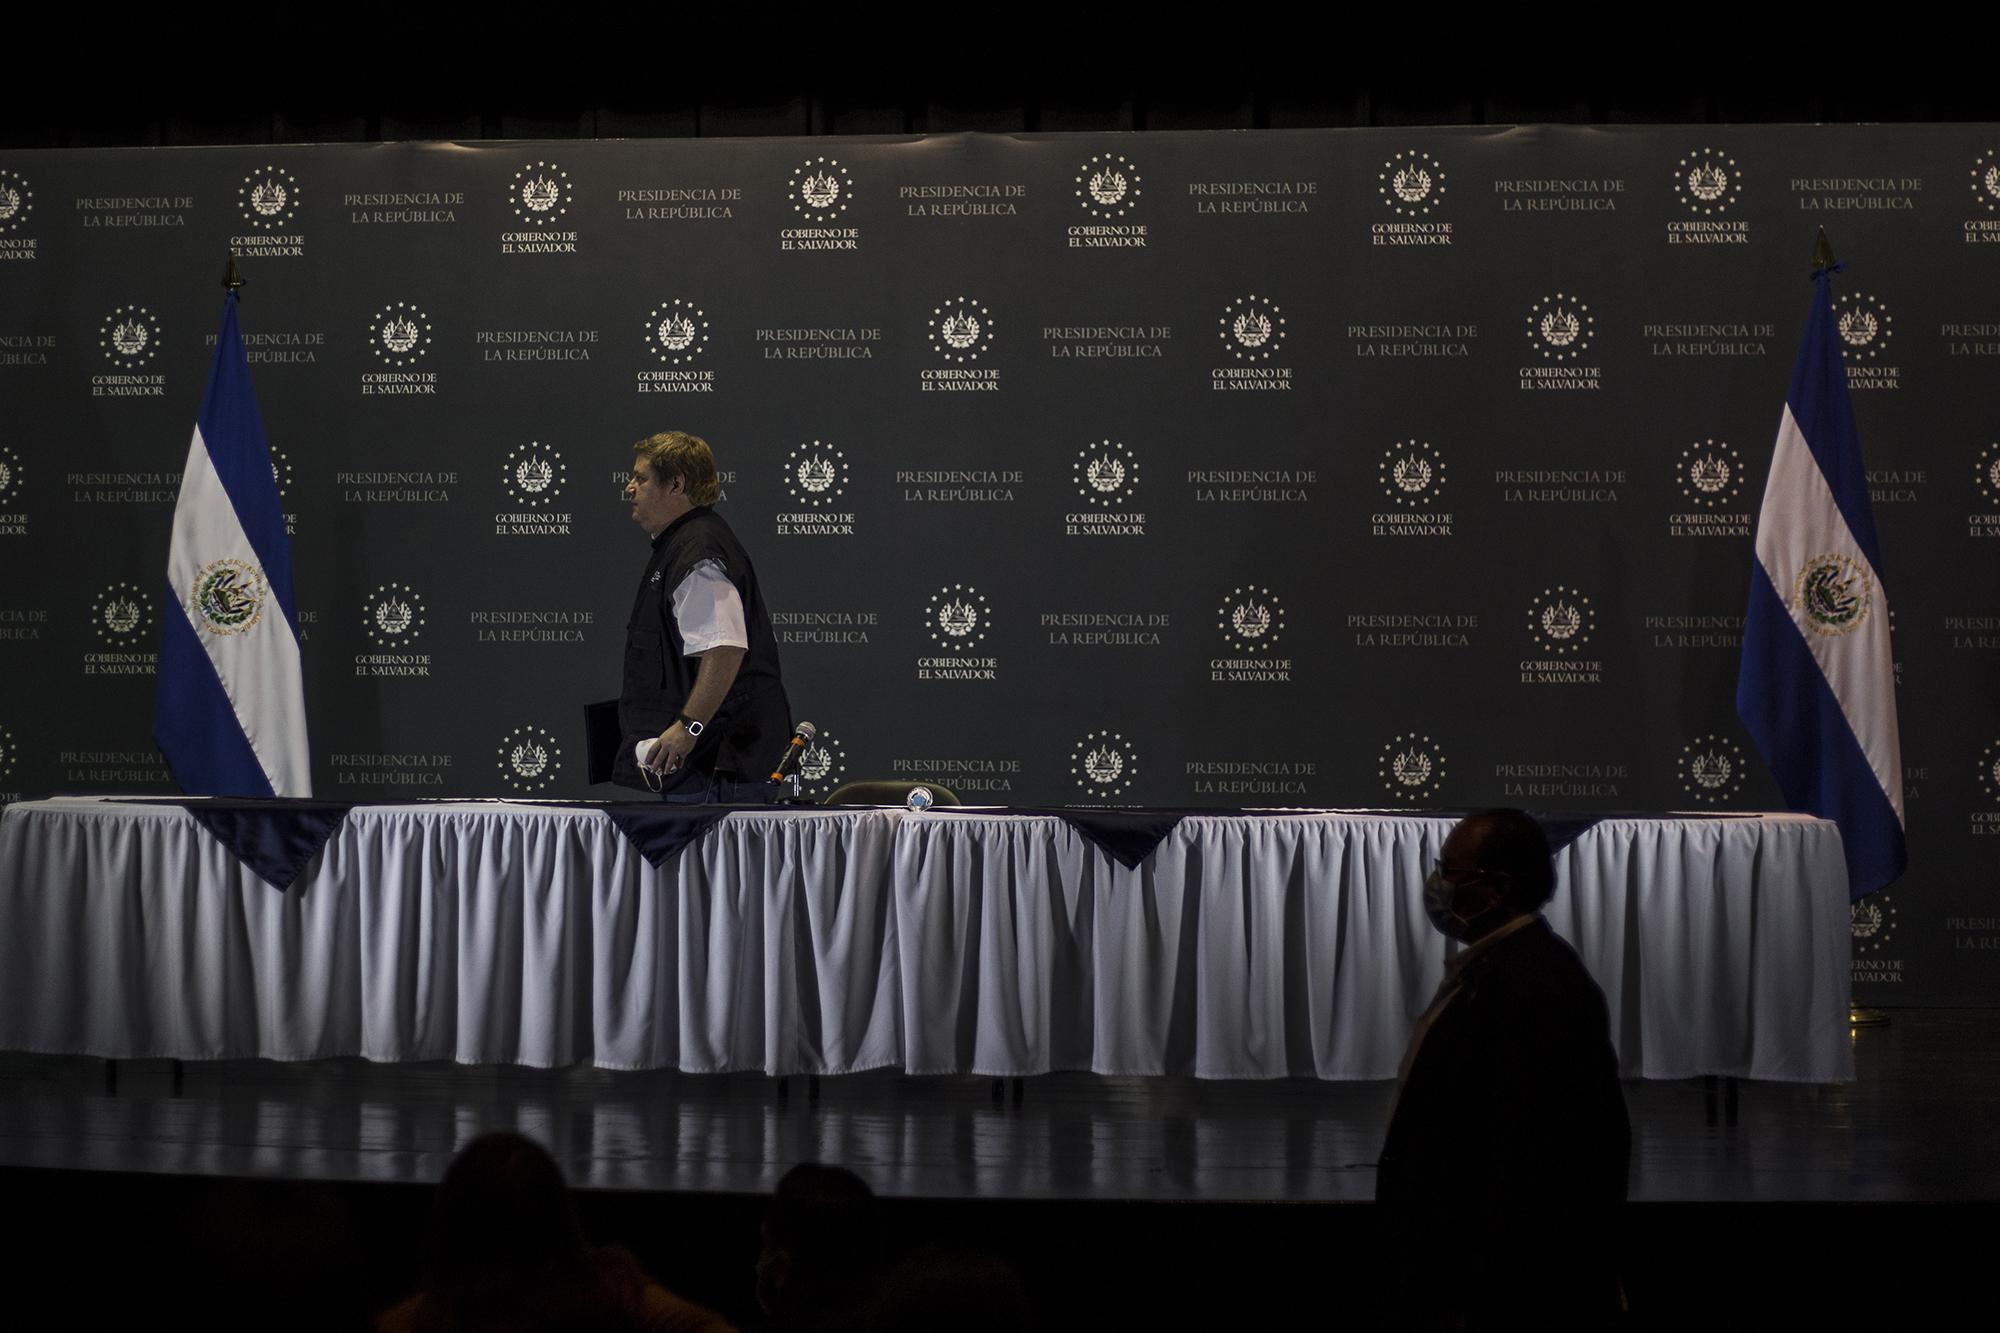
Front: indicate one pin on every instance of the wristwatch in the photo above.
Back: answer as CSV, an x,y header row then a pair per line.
x,y
694,728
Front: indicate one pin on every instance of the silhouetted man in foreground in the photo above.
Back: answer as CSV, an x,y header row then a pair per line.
x,y
1503,1175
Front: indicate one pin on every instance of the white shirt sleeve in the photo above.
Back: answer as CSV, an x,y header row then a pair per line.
x,y
708,612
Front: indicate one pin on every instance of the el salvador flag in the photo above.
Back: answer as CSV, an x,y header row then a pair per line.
x,y
1817,688
231,711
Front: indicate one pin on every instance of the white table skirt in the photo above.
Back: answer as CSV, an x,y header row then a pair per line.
x,y
1298,945
828,941
482,932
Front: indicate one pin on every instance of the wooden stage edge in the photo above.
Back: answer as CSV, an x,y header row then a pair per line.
x,y
270,1194
1914,1127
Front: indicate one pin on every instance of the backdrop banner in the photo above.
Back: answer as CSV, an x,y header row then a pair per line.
x,y
1409,467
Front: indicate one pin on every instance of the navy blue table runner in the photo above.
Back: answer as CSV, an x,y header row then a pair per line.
x,y
1130,836
278,839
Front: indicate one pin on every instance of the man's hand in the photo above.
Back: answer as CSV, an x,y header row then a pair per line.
x,y
712,680
671,750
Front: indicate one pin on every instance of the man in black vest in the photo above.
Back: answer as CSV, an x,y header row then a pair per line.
x,y
703,711
1503,1175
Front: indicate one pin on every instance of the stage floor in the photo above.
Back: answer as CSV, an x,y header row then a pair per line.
x,y
1912,1127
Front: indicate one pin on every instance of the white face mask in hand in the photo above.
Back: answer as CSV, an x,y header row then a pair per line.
x,y
644,751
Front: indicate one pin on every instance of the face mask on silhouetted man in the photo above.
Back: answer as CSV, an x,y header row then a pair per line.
x,y
1467,907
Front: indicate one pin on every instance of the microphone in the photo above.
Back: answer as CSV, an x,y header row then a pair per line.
x,y
795,750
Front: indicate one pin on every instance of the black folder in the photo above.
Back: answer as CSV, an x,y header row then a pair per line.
x,y
601,739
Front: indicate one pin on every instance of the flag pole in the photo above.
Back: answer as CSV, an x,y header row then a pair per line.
x,y
1858,1016
229,707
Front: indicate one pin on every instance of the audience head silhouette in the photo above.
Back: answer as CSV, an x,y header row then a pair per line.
x,y
506,1251
504,1209
821,1249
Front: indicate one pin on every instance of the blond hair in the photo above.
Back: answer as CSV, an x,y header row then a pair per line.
x,y
675,453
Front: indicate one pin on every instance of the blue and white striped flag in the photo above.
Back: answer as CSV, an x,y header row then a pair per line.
x,y
231,712
1817,688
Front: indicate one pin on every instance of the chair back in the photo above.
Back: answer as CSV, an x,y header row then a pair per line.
x,y
879,792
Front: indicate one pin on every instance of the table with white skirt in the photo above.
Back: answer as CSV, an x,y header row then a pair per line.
x,y
830,940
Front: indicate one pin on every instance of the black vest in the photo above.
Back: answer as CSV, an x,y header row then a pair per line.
x,y
748,733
